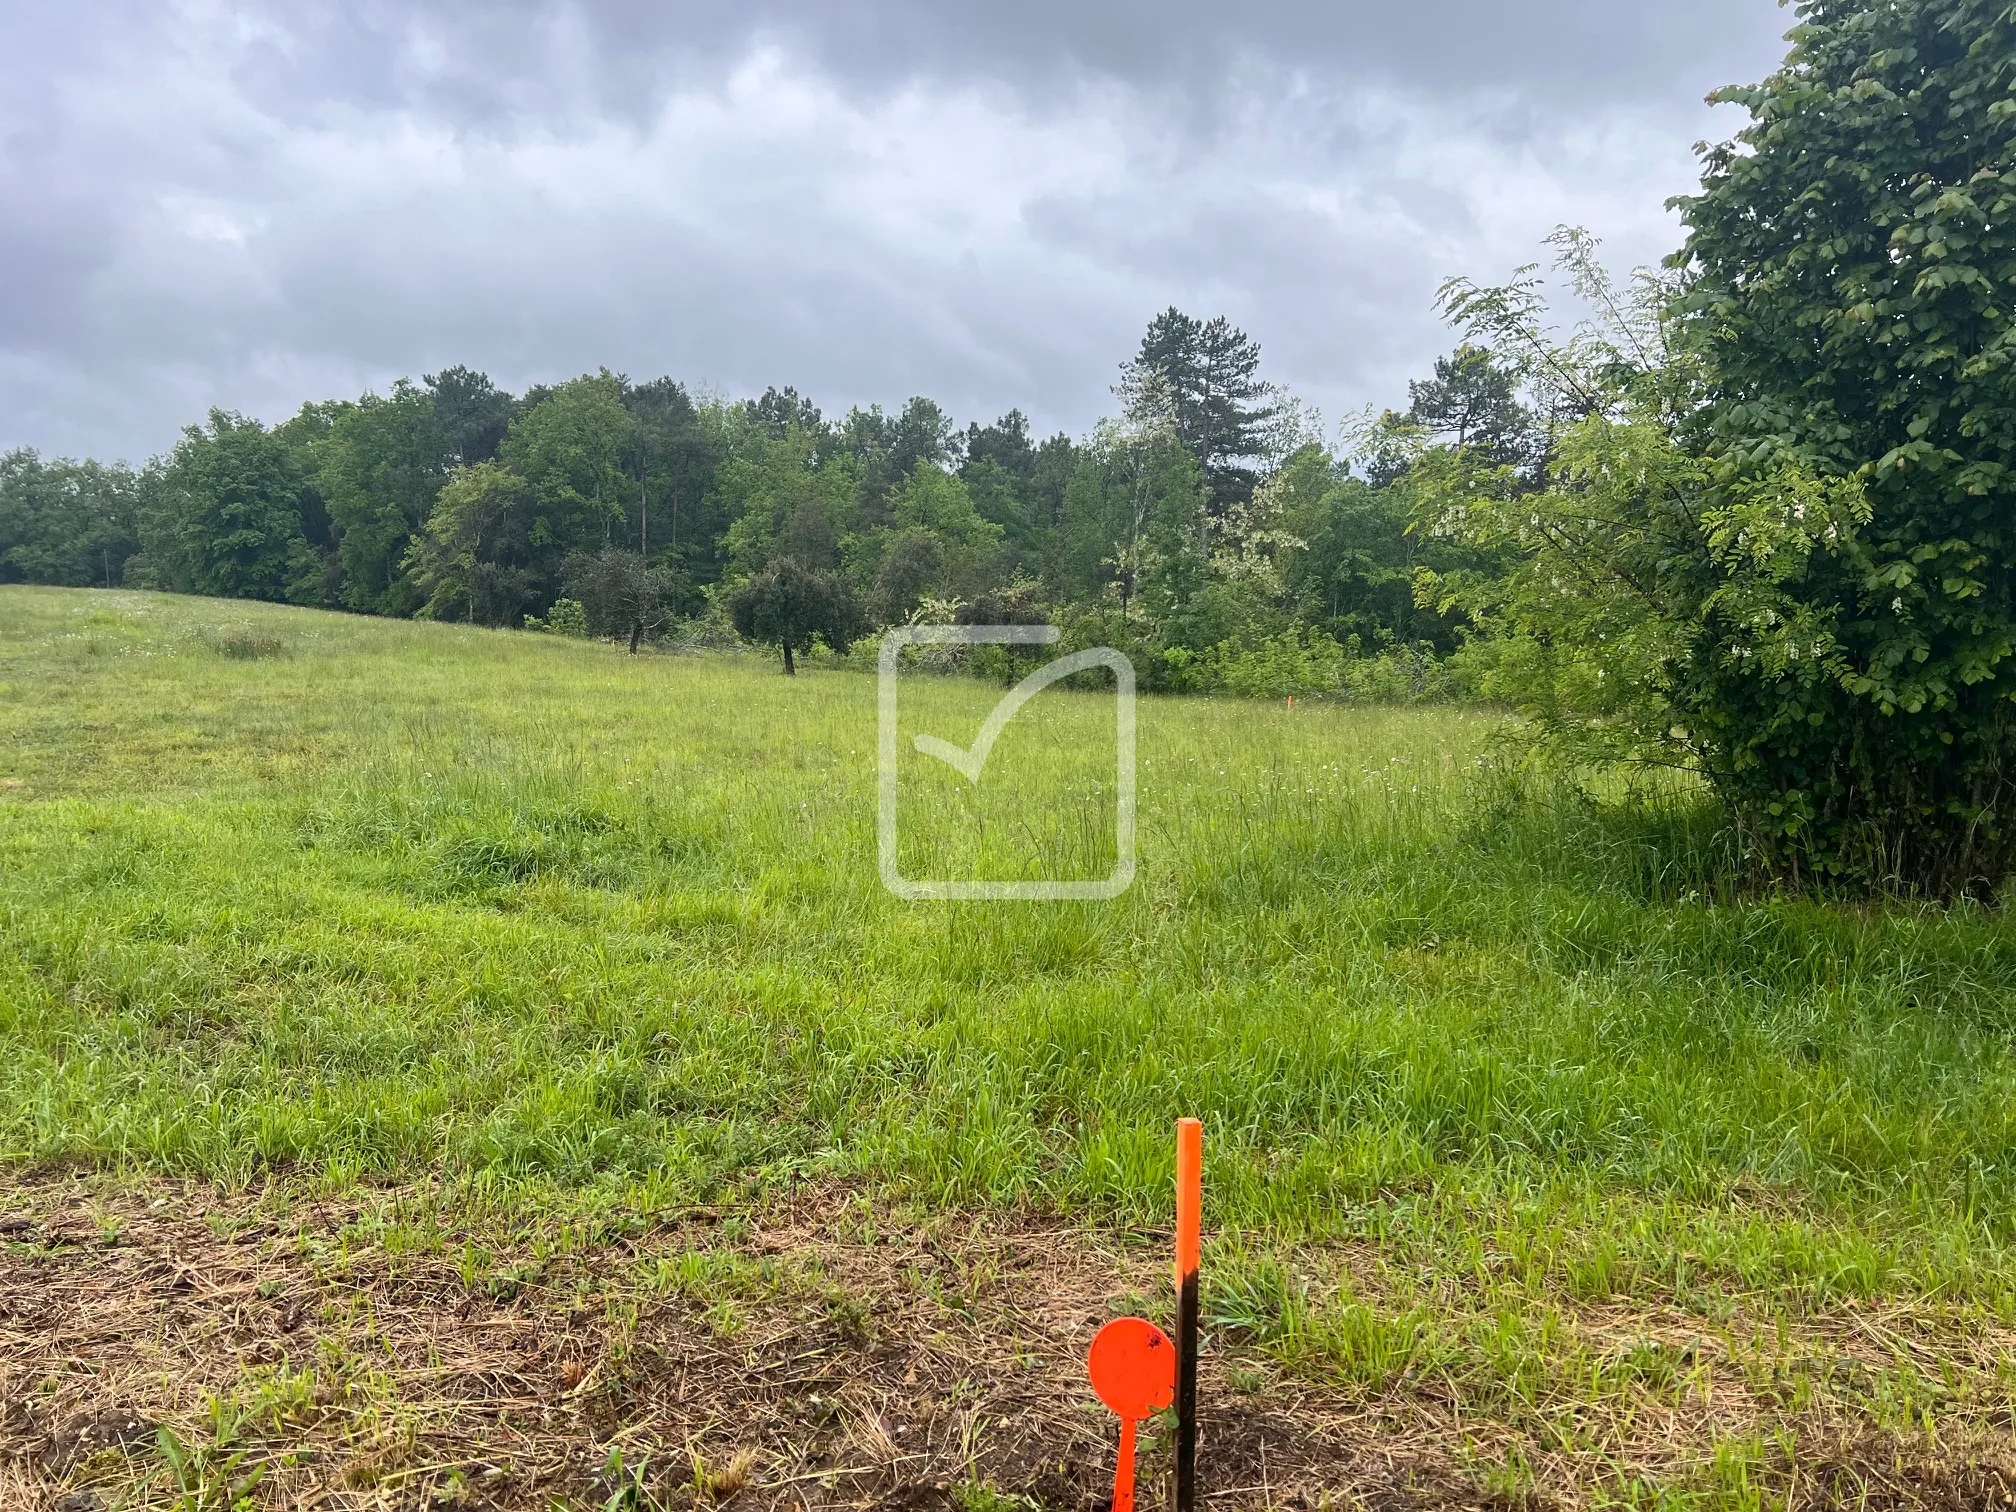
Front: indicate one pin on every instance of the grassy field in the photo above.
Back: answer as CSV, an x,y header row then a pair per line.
x,y
1536,1149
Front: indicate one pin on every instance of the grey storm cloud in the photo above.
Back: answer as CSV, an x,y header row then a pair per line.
x,y
251,205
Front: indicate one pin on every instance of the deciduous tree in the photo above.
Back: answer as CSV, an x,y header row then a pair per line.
x,y
378,470
228,521
70,523
620,592
474,561
789,606
571,449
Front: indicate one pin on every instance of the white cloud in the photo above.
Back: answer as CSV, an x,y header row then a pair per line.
x,y
205,236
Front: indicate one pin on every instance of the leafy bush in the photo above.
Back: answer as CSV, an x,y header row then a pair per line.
x,y
566,617
1848,290
1311,664
1775,543
1403,675
1301,665
1634,563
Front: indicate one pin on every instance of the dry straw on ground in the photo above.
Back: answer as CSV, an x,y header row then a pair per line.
x,y
169,1346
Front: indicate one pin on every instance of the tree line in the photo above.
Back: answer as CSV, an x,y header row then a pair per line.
x,y
1206,518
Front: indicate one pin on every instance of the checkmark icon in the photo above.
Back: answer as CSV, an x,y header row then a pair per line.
x,y
972,762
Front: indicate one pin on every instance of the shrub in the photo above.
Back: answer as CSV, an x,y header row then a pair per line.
x,y
1303,665
1777,544
566,617
1312,664
1635,565
1849,273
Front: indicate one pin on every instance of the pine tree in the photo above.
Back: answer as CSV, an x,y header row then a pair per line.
x,y
1209,372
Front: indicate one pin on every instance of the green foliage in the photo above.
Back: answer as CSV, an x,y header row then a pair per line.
x,y
677,446
1354,572
889,448
1773,541
1207,373
789,605
1133,527
1473,403
566,617
618,593
228,521
470,412
450,500
1309,664
379,469
1283,666
1018,484
933,509
476,560
75,524
933,500
570,448
1661,606
787,493
913,566
1848,270
1002,498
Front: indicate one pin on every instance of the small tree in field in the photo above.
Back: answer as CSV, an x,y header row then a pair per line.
x,y
620,592
789,605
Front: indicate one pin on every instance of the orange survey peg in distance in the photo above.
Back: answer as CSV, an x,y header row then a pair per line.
x,y
1133,1368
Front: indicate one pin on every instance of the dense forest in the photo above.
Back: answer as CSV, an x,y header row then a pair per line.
x,y
1208,527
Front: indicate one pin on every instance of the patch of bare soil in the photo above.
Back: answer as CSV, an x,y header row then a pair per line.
x,y
812,1355
169,1346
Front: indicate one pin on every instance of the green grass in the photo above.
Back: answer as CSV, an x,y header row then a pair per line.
x,y
285,889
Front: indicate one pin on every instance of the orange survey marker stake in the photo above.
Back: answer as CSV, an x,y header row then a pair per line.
x,y
1133,1367
1189,1248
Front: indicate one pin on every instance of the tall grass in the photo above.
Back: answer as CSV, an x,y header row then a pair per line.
x,y
393,898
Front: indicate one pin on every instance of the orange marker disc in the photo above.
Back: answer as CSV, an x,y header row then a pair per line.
x,y
1133,1368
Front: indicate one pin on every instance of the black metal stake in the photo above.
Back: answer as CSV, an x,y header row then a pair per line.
x,y
1189,1255
1186,1394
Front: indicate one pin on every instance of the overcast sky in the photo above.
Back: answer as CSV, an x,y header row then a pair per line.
x,y
254,205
